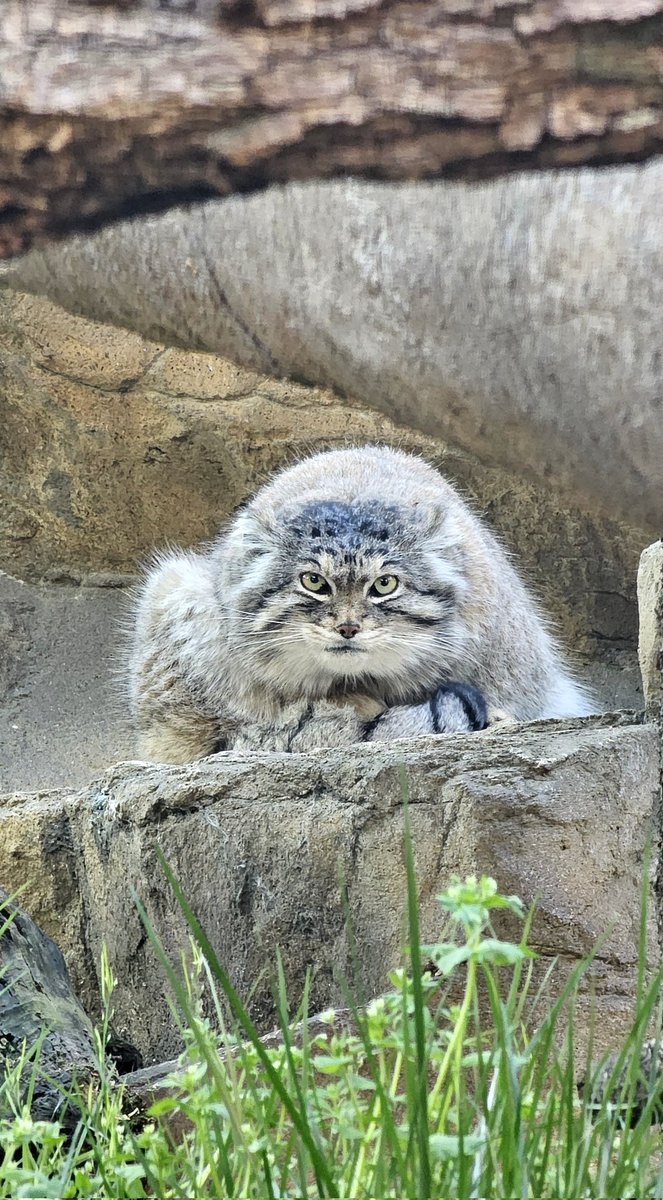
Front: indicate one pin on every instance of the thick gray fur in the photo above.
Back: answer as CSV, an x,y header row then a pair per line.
x,y
231,650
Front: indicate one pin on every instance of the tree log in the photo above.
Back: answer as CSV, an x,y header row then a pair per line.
x,y
42,1019
119,108
39,1009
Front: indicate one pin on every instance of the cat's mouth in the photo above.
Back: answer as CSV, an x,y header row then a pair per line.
x,y
348,648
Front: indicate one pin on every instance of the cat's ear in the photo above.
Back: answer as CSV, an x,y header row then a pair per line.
x,y
248,540
440,525
251,533
265,520
444,539
432,517
247,516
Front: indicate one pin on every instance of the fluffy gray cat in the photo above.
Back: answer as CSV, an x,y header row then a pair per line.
x,y
355,598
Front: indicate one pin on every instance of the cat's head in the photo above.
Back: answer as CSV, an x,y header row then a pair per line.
x,y
336,597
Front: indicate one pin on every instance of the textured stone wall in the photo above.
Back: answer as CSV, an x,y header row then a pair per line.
x,y
518,319
111,445
561,812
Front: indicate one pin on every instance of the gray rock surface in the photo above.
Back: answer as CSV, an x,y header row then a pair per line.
x,y
62,716
558,811
517,319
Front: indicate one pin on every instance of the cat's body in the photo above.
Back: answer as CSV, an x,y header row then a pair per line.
x,y
335,608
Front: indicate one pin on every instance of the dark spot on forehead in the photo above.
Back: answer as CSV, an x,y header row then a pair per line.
x,y
346,528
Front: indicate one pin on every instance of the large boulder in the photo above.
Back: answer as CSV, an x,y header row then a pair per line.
x,y
562,812
518,319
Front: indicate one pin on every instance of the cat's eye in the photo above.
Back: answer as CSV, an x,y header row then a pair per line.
x,y
384,585
315,583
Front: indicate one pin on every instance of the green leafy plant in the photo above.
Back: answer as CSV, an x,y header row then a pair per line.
x,y
459,1081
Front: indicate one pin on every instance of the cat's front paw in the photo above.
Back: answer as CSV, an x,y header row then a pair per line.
x,y
458,708
366,707
499,716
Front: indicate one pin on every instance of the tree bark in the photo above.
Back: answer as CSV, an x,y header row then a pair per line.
x,y
117,108
42,1023
39,1009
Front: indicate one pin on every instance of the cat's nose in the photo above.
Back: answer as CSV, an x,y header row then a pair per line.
x,y
349,629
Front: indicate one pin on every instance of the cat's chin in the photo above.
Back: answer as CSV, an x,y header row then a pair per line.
x,y
349,650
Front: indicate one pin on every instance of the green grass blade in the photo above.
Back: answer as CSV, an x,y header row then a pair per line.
x,y
324,1180
420,1113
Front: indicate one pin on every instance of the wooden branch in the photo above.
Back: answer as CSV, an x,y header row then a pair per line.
x,y
117,108
147,1085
